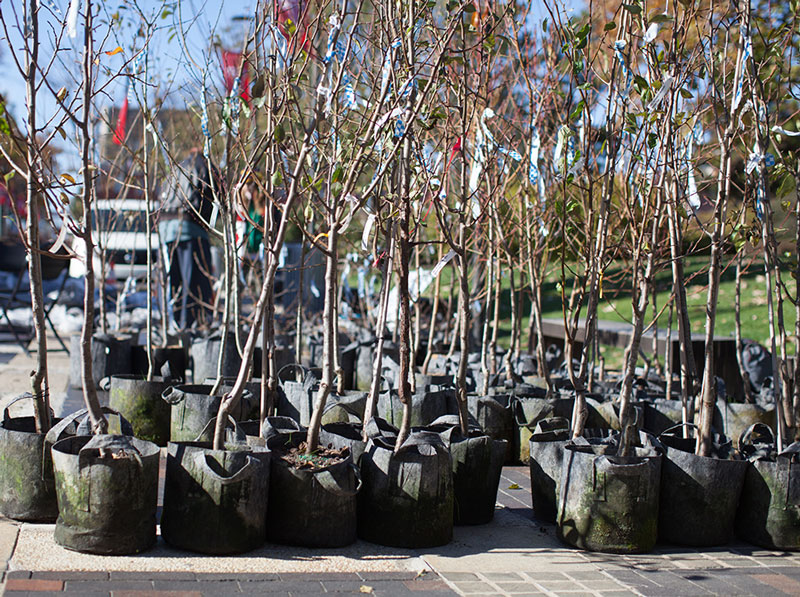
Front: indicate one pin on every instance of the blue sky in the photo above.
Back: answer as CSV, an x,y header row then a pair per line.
x,y
172,73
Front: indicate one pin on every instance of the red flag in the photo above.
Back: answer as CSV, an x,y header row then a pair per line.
x,y
230,68
295,12
122,118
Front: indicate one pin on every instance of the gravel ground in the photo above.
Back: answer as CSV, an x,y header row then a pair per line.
x,y
36,550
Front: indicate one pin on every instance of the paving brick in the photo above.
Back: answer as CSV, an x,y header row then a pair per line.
x,y
559,585
395,587
185,585
391,593
39,594
347,586
468,587
432,585
156,594
516,587
747,583
546,575
683,591
501,576
397,575
787,570
98,585
457,576
69,575
165,575
32,584
320,576
783,583
617,593
298,586
602,585
587,575
18,574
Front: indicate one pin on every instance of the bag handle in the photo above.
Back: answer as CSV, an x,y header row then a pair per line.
x,y
516,408
746,437
329,484
292,366
21,397
422,438
105,383
678,426
202,460
172,395
239,434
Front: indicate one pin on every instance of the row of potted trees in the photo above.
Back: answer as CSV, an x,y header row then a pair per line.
x,y
615,190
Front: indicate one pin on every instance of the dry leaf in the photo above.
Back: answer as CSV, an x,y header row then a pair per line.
x,y
365,589
62,93
116,50
513,486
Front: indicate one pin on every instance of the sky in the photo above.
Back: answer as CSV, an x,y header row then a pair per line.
x,y
175,61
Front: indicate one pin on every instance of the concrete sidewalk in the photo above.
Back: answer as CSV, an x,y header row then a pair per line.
x,y
513,555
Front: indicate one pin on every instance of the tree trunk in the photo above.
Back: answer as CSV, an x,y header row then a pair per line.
x,y
328,340
380,331
40,386
98,420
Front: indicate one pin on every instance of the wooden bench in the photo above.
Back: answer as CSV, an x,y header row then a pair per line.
x,y
618,334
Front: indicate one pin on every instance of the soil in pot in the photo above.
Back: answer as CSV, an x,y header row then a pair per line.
x,y
407,497
312,496
215,501
107,487
341,435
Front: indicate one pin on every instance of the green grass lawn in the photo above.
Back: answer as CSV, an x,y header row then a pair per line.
x,y
616,302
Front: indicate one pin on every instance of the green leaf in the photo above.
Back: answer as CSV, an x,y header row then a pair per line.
x,y
787,186
257,90
4,128
338,173
634,9
9,175
280,133
610,26
469,8
576,113
661,18
686,94
276,178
